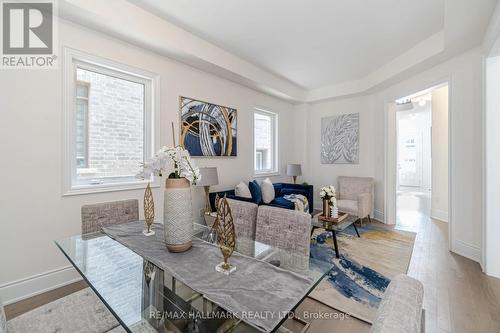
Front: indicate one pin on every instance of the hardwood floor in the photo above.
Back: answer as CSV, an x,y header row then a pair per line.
x,y
16,309
458,296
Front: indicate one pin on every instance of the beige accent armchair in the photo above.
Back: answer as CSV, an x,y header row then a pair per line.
x,y
355,196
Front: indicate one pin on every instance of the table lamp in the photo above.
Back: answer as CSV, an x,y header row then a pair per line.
x,y
294,170
208,177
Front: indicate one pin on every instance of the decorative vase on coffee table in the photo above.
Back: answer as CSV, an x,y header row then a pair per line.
x,y
326,207
178,214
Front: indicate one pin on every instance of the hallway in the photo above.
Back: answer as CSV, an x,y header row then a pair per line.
x,y
413,208
458,296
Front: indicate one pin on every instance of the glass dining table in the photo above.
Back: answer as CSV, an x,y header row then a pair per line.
x,y
146,298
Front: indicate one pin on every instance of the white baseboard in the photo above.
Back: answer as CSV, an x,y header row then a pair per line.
x,y
379,215
440,215
37,284
466,250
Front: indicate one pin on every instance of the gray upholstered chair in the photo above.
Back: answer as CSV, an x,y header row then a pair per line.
x,y
104,214
356,196
244,218
80,312
401,308
285,229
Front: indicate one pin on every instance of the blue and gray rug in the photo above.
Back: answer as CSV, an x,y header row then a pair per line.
x,y
360,276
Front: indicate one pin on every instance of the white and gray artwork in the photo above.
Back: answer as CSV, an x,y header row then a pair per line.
x,y
340,139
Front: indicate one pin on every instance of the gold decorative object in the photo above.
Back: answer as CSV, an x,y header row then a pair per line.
x,y
226,235
217,200
149,210
326,208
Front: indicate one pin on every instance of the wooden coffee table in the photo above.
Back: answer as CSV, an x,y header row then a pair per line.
x,y
334,226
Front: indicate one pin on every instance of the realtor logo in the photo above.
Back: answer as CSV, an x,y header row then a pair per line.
x,y
28,34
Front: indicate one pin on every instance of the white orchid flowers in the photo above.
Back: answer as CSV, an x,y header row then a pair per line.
x,y
167,158
327,193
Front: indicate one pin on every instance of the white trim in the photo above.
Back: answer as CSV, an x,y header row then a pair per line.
x,y
379,215
484,185
18,290
71,60
451,165
101,188
266,174
466,250
440,215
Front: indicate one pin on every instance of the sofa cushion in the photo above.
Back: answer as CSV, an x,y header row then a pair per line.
x,y
242,190
348,206
287,191
267,191
282,202
277,189
256,191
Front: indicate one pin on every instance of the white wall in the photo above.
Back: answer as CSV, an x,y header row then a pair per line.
x,y
464,74
492,177
326,174
439,199
34,213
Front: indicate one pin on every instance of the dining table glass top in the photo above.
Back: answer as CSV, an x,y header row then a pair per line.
x,y
145,298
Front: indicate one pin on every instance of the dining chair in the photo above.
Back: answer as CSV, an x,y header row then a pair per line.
x,y
286,229
82,311
244,218
96,216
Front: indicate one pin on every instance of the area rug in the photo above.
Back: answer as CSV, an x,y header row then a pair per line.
x,y
359,278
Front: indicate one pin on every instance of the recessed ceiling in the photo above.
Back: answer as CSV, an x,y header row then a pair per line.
x,y
312,43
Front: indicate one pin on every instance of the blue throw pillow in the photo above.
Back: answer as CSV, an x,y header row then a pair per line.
x,y
255,191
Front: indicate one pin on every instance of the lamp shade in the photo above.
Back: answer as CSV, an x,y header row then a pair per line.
x,y
293,170
208,177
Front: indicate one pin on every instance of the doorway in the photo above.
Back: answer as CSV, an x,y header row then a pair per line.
x,y
422,157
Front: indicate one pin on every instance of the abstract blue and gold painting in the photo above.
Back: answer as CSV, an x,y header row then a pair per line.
x,y
208,129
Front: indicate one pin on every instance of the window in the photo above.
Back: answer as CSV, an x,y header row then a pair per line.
x,y
82,104
109,120
265,142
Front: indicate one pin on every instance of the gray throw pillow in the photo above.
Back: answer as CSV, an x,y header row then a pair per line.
x,y
3,321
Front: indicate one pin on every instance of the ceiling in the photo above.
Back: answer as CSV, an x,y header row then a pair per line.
x,y
301,51
311,43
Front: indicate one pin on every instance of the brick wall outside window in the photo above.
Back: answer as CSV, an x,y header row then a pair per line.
x,y
115,125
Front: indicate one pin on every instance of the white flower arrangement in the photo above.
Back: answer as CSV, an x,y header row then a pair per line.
x,y
176,158
327,193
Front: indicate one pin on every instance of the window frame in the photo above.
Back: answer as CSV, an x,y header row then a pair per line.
x,y
274,171
74,59
86,119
